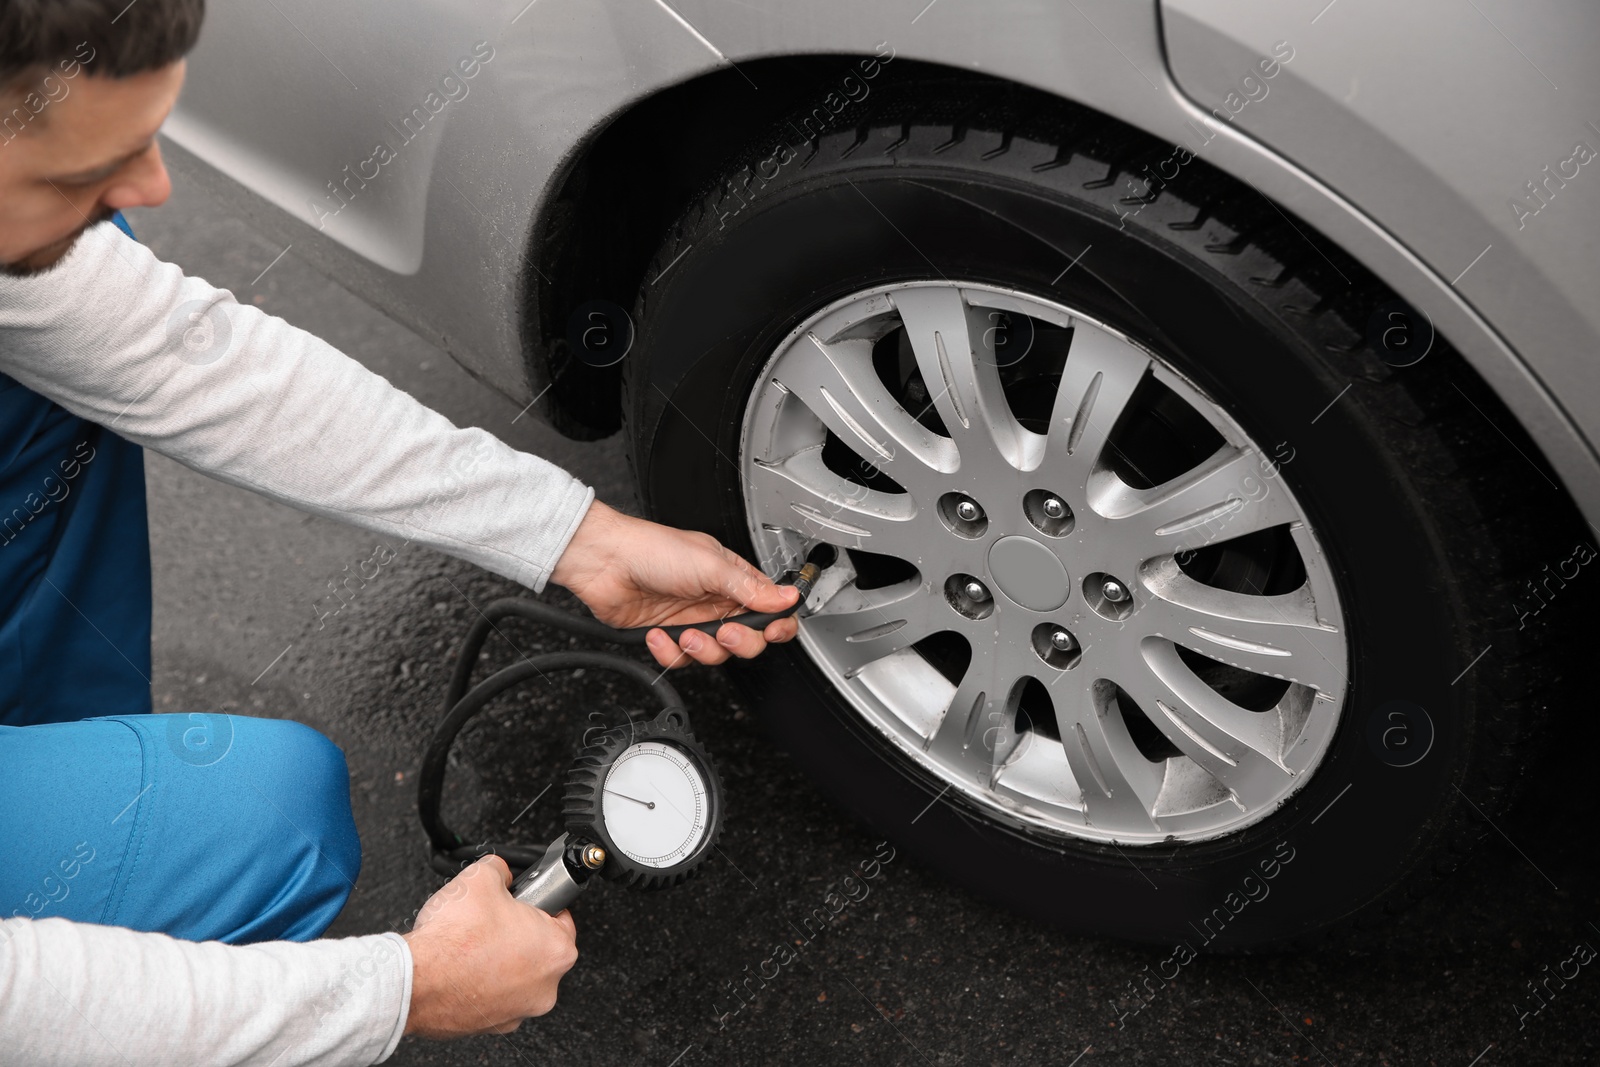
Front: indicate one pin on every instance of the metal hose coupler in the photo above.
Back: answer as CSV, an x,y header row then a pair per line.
x,y
820,557
806,579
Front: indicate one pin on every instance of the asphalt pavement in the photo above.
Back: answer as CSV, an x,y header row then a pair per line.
x,y
914,971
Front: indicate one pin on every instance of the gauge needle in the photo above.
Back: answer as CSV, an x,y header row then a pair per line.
x,y
647,803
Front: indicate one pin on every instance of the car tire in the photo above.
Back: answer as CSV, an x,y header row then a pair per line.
x,y
1426,519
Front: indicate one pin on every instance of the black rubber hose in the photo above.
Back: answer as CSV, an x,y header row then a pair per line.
x,y
449,851
430,784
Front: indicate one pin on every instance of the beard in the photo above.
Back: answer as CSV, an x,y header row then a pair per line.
x,y
42,259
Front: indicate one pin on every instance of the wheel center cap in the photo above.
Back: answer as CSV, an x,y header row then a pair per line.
x,y
1029,573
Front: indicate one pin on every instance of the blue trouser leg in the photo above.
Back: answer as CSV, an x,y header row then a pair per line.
x,y
205,827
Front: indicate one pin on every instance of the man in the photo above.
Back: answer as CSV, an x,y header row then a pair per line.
x,y
162,877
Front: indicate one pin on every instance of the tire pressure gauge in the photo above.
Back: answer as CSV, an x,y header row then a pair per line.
x,y
643,807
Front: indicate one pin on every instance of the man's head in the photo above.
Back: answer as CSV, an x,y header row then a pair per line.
x,y
84,86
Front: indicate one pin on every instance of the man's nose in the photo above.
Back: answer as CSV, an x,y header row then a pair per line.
x,y
143,183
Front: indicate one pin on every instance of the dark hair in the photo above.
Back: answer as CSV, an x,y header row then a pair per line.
x,y
111,38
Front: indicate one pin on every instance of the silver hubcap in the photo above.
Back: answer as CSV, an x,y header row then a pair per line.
x,y
1035,624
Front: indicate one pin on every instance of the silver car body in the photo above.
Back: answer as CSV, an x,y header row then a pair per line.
x,y
1407,133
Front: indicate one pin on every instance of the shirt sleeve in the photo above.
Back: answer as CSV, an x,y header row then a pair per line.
x,y
77,994
115,335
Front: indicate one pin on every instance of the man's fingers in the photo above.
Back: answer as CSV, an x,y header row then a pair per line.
x,y
498,867
694,646
665,651
737,639
702,648
564,919
753,589
782,630
733,638
744,642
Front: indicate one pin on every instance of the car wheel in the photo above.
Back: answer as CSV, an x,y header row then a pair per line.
x,y
1161,595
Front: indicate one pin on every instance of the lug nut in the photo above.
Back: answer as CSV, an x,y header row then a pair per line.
x,y
1114,591
969,511
1062,641
1054,508
975,591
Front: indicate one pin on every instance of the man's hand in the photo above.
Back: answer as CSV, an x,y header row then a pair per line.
x,y
632,572
482,961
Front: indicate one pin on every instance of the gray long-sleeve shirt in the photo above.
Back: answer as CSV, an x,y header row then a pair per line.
x,y
172,363
77,993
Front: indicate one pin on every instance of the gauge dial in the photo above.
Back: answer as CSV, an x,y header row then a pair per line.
x,y
654,804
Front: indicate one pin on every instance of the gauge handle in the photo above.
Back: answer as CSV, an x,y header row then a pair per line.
x,y
549,885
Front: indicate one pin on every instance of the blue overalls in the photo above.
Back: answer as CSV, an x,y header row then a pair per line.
x,y
203,826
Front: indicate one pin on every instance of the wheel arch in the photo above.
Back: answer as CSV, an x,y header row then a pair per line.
x,y
599,226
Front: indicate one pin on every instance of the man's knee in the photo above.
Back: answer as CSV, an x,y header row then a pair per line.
x,y
259,810
304,786
314,776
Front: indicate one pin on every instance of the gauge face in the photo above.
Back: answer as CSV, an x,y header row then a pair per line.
x,y
654,804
